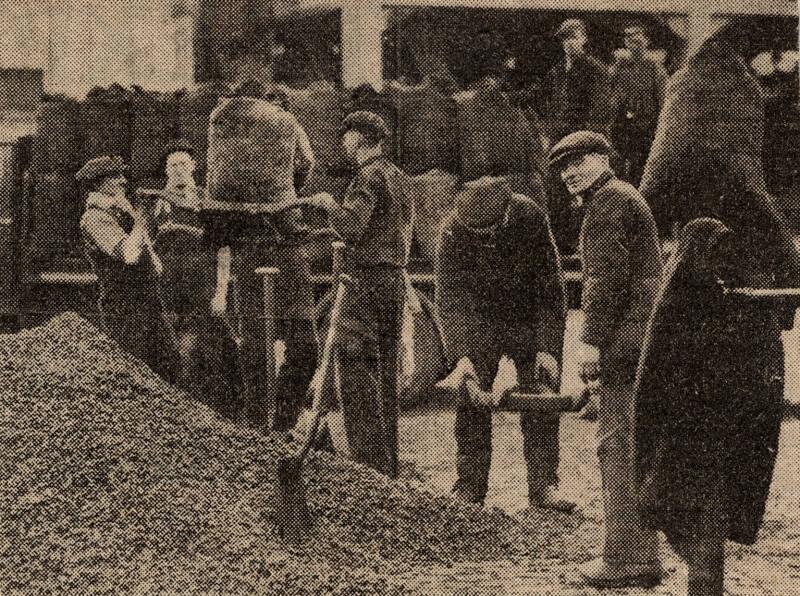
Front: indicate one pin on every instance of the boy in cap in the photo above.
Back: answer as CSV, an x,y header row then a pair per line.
x,y
576,88
195,284
500,294
118,244
621,269
374,219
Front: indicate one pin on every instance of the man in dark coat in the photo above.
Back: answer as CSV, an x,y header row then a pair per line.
x,y
119,247
621,269
195,285
709,396
374,219
500,292
576,88
637,94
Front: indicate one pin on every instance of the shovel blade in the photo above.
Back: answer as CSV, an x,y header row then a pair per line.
x,y
293,516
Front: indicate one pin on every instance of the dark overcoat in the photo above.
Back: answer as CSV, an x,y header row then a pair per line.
x,y
709,388
621,270
500,291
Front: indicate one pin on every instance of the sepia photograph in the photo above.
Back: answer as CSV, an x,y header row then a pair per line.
x,y
400,297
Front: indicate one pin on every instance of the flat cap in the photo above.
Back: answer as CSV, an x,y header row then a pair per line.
x,y
100,167
578,143
367,123
569,28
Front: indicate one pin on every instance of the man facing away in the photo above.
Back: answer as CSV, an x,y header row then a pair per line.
x,y
500,293
638,83
374,220
621,270
259,153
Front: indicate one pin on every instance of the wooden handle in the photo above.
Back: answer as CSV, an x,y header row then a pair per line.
x,y
254,208
344,285
764,293
537,402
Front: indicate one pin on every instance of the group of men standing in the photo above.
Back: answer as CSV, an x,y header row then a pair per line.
x,y
501,301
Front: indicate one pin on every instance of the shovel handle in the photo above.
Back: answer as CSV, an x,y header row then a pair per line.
x,y
254,208
318,381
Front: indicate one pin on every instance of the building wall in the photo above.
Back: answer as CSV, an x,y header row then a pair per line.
x,y
79,44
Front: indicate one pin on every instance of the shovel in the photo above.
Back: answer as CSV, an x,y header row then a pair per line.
x,y
294,519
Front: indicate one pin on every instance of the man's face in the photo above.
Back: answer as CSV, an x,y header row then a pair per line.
x,y
581,171
574,44
113,185
351,141
636,40
180,169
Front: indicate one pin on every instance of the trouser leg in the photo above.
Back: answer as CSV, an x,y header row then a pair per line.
x,y
360,388
296,373
253,347
541,450
627,542
473,430
390,322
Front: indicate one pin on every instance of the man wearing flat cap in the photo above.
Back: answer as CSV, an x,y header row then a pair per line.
x,y
501,300
621,270
117,243
374,220
576,88
573,96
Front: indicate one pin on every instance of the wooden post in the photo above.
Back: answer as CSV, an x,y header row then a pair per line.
x,y
338,258
269,276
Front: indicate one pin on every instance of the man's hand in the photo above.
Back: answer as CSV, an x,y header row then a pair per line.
x,y
547,369
324,201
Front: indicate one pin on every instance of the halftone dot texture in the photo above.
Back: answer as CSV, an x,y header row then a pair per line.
x,y
117,482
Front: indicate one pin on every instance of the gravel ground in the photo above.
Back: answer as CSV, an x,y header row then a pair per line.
x,y
114,482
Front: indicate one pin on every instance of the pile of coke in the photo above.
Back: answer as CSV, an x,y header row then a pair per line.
x,y
116,482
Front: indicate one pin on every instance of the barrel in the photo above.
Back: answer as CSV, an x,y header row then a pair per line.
x,y
194,112
56,145
103,118
154,123
427,130
433,196
422,353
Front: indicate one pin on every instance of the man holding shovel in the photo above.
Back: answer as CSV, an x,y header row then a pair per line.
x,y
374,220
621,270
500,293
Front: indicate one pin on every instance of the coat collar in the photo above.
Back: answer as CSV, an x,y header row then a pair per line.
x,y
370,161
601,181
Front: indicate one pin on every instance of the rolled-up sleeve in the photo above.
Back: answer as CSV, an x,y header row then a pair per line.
x,y
606,263
304,160
102,231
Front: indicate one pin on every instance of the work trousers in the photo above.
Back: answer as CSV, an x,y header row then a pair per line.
x,y
366,366
473,430
627,541
210,371
293,318
145,333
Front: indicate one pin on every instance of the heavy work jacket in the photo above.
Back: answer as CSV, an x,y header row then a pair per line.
x,y
621,269
375,216
501,290
575,99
